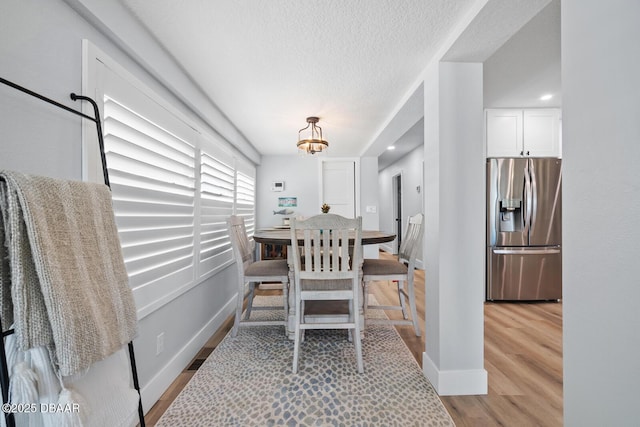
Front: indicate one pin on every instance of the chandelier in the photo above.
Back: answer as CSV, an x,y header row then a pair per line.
x,y
311,141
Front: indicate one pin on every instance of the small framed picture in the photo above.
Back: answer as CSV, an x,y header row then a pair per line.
x,y
287,202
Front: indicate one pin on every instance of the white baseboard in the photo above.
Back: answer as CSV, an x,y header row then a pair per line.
x,y
455,383
154,389
386,247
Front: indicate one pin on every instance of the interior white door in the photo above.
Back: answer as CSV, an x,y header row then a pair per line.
x,y
339,187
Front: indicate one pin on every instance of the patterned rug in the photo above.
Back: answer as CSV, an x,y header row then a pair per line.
x,y
247,381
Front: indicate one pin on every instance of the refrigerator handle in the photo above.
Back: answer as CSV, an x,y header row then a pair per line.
x,y
526,202
526,251
533,191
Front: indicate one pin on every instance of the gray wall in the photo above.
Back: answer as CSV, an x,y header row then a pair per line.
x,y
301,175
601,207
41,49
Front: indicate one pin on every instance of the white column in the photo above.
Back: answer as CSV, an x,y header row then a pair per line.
x,y
369,204
454,230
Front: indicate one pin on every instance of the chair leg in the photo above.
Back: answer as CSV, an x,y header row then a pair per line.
x,y
412,304
252,287
285,297
239,303
356,335
301,311
352,318
365,296
297,338
401,299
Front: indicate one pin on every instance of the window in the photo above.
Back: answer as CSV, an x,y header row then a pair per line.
x,y
173,187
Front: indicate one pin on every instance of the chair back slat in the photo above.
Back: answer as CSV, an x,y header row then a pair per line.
x,y
326,246
412,240
240,243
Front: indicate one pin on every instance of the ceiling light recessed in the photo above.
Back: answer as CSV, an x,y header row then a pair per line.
x,y
391,147
546,97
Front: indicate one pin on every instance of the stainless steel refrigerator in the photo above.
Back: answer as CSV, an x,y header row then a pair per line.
x,y
524,229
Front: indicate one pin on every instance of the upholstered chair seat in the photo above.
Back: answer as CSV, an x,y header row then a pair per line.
x,y
378,267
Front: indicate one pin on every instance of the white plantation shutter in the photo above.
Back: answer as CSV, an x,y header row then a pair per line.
x,y
153,184
173,188
151,162
246,195
217,183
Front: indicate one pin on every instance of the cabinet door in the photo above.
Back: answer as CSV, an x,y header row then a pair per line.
x,y
504,133
542,132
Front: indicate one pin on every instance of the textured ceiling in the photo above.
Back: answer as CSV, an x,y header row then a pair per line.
x,y
268,64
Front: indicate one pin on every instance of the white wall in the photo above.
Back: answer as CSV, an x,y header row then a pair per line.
x,y
410,167
601,207
41,49
454,229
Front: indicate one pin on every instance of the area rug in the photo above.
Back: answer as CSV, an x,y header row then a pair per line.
x,y
247,381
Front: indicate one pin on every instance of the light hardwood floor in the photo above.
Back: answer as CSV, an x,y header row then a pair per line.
x,y
523,356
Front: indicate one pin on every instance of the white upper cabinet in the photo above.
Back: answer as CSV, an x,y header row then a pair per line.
x,y
541,132
504,133
523,133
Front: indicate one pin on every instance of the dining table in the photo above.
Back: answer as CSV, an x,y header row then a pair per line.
x,y
282,236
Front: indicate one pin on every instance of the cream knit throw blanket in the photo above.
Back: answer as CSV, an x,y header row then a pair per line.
x,y
62,275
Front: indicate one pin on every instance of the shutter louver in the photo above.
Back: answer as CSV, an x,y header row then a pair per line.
x,y
153,188
245,200
216,205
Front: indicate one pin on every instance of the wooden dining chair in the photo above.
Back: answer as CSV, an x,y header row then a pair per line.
x,y
328,274
253,273
400,271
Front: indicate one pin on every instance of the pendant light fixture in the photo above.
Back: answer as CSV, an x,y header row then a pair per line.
x,y
310,137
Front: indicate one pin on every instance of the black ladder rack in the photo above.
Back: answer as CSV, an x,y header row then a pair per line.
x,y
4,372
